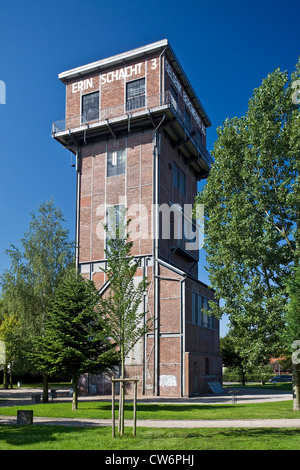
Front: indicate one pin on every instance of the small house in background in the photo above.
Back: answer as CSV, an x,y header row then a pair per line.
x,y
281,365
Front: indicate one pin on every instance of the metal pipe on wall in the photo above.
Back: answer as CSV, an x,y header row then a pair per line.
x,y
156,153
78,172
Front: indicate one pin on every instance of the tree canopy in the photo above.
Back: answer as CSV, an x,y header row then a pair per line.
x,y
73,342
252,215
37,263
125,321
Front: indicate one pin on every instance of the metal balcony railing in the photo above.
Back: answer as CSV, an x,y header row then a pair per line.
x,y
123,109
135,105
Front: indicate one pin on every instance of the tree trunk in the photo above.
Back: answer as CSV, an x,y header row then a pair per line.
x,y
75,393
10,377
122,396
243,376
296,387
5,384
45,388
120,406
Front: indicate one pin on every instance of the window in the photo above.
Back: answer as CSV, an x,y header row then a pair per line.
x,y
199,138
204,312
196,309
174,98
196,313
187,120
90,107
179,179
199,311
116,162
116,223
135,94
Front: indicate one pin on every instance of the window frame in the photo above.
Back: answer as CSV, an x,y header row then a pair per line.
x,y
117,209
120,167
85,114
138,100
199,138
179,179
187,120
200,317
174,97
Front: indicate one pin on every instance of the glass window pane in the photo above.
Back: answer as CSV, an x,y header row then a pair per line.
x,y
196,309
199,138
90,107
174,98
179,179
193,306
113,220
135,94
200,310
187,120
204,314
116,162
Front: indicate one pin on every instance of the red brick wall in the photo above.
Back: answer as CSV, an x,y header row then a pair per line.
x,y
169,193
74,91
97,191
113,90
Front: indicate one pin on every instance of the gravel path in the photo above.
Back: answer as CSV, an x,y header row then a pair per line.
x,y
204,423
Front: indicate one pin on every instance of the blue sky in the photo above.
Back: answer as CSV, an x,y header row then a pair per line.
x,y
225,47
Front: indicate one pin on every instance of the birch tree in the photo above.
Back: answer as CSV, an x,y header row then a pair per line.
x,y
124,322
36,264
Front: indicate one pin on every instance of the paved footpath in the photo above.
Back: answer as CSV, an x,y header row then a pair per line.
x,y
23,397
148,423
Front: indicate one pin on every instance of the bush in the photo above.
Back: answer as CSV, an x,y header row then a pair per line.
x,y
234,375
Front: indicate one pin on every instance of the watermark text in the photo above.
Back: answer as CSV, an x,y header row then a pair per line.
x,y
2,92
182,225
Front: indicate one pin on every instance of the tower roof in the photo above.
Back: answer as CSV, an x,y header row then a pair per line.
x,y
162,46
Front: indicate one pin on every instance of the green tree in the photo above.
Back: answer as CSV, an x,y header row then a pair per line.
x,y
36,267
124,321
292,331
252,211
73,342
231,357
9,334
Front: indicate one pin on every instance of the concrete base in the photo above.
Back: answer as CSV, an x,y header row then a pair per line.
x,y
24,417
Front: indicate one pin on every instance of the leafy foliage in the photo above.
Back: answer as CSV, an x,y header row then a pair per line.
x,y
73,342
292,332
124,322
37,265
252,210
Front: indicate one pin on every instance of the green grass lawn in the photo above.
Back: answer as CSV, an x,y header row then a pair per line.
x,y
75,438
102,410
49,437
267,386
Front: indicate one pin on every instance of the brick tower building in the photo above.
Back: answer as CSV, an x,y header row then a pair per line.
x,y
138,133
